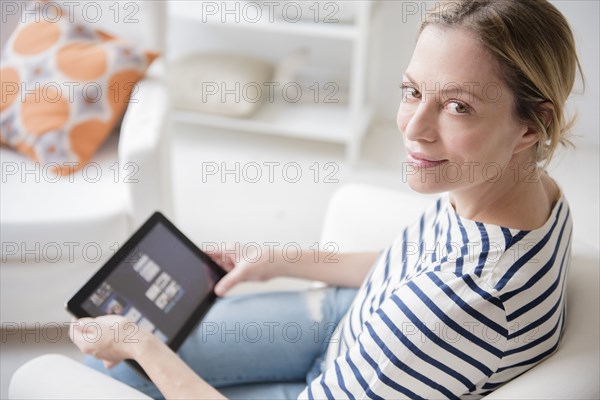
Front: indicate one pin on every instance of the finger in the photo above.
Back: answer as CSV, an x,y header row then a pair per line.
x,y
109,364
221,260
229,281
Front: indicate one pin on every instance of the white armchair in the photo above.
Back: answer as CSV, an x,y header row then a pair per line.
x,y
55,233
367,218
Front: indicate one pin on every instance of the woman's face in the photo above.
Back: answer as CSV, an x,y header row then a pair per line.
x,y
457,116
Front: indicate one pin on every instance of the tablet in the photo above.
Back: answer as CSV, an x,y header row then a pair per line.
x,y
158,279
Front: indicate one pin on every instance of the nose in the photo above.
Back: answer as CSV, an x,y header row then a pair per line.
x,y
418,122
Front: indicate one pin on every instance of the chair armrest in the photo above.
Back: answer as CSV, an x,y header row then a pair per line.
x,y
144,148
368,218
59,377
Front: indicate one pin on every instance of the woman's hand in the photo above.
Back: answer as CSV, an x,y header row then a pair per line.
x,y
256,264
111,338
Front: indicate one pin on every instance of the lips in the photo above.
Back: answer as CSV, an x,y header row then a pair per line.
x,y
421,160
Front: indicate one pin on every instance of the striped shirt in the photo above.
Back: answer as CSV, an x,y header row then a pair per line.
x,y
453,308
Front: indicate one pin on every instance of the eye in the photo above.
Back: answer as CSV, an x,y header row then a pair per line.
x,y
410,92
458,107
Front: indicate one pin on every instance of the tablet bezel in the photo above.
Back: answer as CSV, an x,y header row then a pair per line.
x,y
74,304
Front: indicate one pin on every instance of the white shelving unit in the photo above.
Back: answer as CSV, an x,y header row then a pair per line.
x,y
338,123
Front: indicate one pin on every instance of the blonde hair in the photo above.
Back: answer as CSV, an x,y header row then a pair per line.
x,y
535,47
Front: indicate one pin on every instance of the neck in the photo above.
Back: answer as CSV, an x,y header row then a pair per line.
x,y
521,198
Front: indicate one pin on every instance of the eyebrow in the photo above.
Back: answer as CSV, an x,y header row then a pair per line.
x,y
454,88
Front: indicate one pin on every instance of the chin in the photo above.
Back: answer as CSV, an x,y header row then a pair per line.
x,y
433,187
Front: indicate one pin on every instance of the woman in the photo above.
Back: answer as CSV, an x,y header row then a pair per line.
x,y
470,295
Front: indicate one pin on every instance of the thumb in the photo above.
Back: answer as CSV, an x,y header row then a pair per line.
x,y
234,277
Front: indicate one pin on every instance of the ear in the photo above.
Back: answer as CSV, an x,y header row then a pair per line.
x,y
530,134
546,110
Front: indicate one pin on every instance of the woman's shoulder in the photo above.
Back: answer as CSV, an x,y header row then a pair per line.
x,y
531,259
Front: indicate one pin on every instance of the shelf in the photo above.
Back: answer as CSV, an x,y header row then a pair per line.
x,y
193,11
325,122
344,124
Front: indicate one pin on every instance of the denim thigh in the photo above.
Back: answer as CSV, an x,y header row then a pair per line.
x,y
257,338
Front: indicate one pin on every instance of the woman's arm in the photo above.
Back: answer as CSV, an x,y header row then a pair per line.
x,y
113,339
345,269
335,269
174,378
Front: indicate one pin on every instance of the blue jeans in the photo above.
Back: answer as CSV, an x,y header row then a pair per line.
x,y
262,345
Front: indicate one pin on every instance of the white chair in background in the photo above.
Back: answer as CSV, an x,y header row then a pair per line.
x,y
56,233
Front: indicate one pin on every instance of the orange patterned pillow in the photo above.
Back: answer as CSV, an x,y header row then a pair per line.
x,y
64,87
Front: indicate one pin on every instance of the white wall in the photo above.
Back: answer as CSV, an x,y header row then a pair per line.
x,y
583,17
394,33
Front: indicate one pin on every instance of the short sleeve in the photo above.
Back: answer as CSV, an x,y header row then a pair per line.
x,y
432,337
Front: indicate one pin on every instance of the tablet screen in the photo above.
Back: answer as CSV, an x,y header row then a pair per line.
x,y
159,281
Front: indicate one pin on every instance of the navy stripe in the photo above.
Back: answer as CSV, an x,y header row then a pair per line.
x,y
387,263
340,379
387,278
485,248
512,240
350,319
435,241
401,366
365,297
536,342
422,355
448,240
371,308
370,361
358,310
484,294
544,296
532,360
437,340
421,227
448,246
404,256
464,248
421,243
435,223
452,324
544,318
507,238
538,275
325,388
360,379
517,238
492,385
529,255
310,393
466,307
343,343
538,321
384,291
564,318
